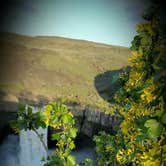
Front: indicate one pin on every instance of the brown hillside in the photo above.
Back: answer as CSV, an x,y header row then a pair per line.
x,y
54,67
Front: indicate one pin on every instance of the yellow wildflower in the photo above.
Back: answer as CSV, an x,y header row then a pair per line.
x,y
148,94
120,156
69,113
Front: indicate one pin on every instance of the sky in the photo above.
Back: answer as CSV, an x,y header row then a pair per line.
x,y
104,21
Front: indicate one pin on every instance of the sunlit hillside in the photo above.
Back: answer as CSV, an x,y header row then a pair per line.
x,y
54,67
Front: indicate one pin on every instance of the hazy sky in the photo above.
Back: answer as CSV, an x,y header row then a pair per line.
x,y
106,21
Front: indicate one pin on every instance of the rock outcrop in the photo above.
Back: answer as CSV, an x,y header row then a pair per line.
x,y
91,121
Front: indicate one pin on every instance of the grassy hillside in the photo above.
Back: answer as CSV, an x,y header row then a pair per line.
x,y
54,67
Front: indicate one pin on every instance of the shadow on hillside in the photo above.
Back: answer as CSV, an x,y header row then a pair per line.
x,y
107,84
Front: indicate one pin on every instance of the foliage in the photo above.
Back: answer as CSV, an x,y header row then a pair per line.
x,y
143,129
55,115
107,147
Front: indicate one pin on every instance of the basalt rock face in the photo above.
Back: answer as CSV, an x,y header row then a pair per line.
x,y
8,107
8,111
7,114
91,121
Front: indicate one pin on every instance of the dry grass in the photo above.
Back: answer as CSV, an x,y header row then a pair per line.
x,y
56,67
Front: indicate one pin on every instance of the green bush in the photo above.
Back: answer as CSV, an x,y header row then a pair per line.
x,y
142,132
56,115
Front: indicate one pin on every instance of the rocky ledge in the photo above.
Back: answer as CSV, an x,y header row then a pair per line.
x,y
91,121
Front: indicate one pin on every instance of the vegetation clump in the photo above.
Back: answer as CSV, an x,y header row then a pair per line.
x,y
141,139
55,115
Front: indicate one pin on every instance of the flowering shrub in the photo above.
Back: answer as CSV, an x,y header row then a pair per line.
x,y
142,100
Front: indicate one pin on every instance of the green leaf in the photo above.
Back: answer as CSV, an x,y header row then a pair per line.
x,y
71,145
30,110
64,108
73,132
43,125
36,115
71,160
154,128
66,119
151,123
22,124
36,124
89,161
155,132
56,136
54,119
67,152
48,107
